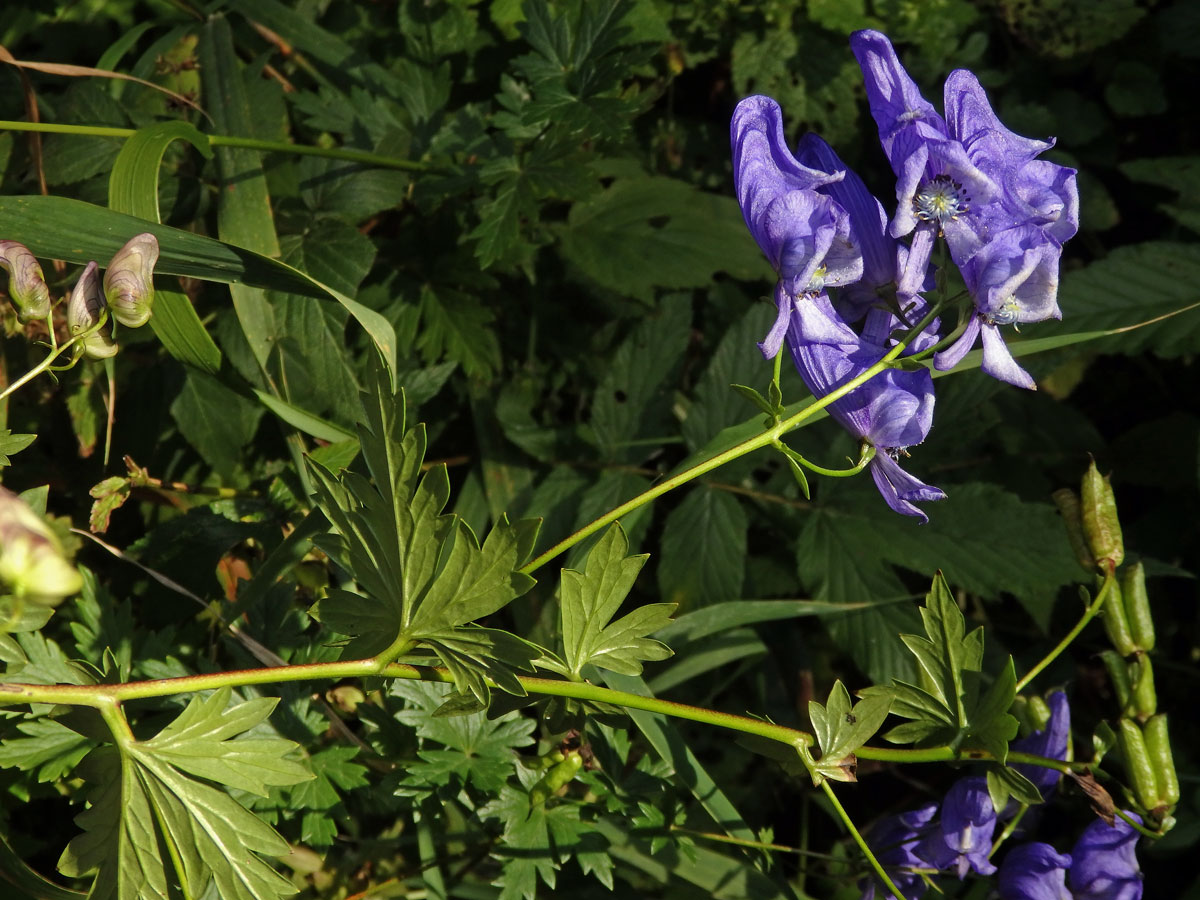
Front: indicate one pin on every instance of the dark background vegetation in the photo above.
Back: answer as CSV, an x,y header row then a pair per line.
x,y
573,291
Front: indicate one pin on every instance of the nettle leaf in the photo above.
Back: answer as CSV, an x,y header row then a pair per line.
x,y
950,706
151,826
424,577
590,599
841,729
474,749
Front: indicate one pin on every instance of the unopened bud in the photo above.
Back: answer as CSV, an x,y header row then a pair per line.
x,y
32,565
129,281
1101,526
26,283
84,310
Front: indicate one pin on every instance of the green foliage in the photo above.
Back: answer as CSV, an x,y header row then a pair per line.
x,y
524,208
425,578
952,706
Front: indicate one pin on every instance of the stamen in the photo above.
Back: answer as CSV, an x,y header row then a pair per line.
x,y
940,200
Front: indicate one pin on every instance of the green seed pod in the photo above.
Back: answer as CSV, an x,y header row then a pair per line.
x,y
1118,675
1145,701
1137,606
1140,769
1115,624
1038,713
1158,746
26,283
553,781
1067,502
1101,526
84,310
129,280
32,564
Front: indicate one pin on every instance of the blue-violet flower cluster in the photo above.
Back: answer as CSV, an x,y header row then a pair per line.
x,y
848,286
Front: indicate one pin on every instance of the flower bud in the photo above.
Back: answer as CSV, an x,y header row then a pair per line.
x,y
83,312
1101,526
129,280
26,283
1067,502
1137,607
32,565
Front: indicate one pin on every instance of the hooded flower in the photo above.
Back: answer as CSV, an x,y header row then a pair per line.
x,y
1033,872
805,235
892,411
892,273
1050,742
129,280
892,840
1105,866
83,312
964,838
1014,279
32,564
26,283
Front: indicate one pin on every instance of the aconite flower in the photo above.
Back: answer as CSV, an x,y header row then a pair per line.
x,y
26,283
129,281
84,309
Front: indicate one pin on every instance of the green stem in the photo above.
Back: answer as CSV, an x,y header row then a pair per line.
x,y
1009,829
858,839
55,353
765,439
103,696
224,140
1088,614
868,454
950,754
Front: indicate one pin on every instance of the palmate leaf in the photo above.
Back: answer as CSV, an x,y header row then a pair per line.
x,y
424,577
950,706
841,729
151,826
590,599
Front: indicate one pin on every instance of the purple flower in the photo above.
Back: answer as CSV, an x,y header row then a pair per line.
x,y
964,838
26,284
805,235
891,273
1014,279
1105,866
1050,742
1033,872
892,411
892,840
1004,213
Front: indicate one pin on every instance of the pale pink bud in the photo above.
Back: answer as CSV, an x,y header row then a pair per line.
x,y
84,310
26,283
129,281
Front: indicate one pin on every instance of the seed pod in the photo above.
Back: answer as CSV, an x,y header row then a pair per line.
x,y
84,310
129,280
1141,674
553,781
1139,767
1067,502
32,564
1101,526
26,283
1118,676
1158,746
1038,713
1137,606
1115,624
